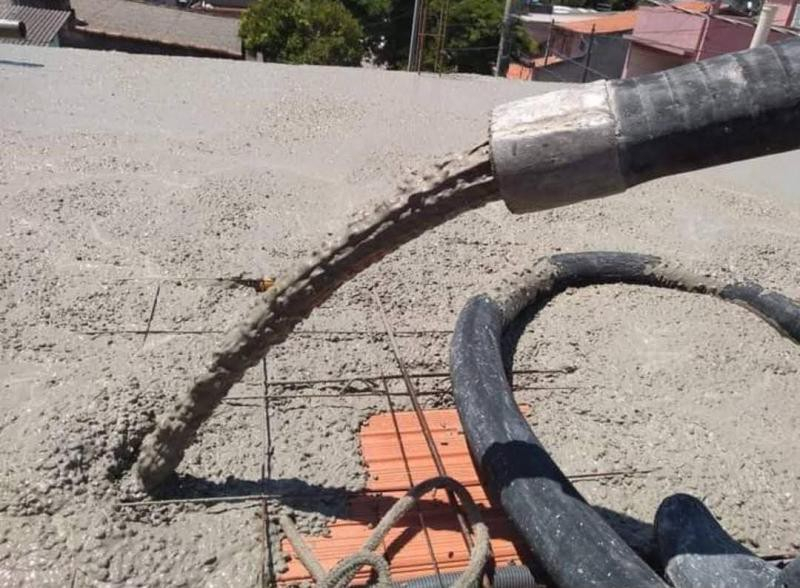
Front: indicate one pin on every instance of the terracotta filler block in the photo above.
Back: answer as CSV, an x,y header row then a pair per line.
x,y
391,454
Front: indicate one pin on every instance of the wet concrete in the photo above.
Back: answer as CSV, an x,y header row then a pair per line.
x,y
125,176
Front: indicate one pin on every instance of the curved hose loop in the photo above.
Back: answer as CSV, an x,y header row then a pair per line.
x,y
345,571
566,537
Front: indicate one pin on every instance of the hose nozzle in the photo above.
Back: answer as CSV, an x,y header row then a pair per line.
x,y
598,139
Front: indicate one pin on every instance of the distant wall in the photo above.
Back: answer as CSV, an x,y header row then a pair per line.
x,y
566,43
93,39
668,26
726,37
606,63
785,13
643,60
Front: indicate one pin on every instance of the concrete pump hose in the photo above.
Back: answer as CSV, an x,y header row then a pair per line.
x,y
565,536
599,139
548,151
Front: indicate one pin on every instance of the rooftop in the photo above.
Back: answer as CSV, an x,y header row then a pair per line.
x,y
562,14
42,25
620,22
617,22
160,23
134,188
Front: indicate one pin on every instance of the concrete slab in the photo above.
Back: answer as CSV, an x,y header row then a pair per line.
x,y
120,172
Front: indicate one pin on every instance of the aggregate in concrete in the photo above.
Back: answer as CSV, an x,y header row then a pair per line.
x,y
126,175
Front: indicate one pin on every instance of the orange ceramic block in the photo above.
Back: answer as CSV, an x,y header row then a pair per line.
x,y
429,537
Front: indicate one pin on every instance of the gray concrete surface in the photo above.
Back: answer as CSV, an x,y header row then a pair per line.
x,y
768,177
129,184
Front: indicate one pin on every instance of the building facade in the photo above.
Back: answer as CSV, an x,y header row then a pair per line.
x,y
669,35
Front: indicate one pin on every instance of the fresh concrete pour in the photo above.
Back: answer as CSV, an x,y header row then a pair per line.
x,y
131,185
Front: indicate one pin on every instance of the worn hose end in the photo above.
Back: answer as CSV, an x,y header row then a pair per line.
x,y
12,29
598,139
556,149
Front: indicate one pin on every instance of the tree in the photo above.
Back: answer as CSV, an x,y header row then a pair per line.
x,y
523,46
471,39
473,34
321,32
373,15
344,32
393,34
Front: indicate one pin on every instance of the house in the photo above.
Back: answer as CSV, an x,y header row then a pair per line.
x,y
519,71
44,27
666,36
587,49
539,21
231,8
648,39
785,13
138,27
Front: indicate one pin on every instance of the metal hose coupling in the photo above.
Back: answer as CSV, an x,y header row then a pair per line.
x,y
599,139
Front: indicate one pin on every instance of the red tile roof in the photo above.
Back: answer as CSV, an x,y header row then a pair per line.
x,y
621,22
517,71
615,23
692,5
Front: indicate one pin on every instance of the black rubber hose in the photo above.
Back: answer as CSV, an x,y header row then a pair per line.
x,y
604,137
505,577
565,535
698,553
732,107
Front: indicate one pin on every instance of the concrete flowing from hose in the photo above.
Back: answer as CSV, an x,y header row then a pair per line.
x,y
570,541
454,186
545,152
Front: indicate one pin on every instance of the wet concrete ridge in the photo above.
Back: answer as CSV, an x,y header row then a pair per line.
x,y
123,176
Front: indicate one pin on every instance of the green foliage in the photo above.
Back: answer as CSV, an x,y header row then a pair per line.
x,y
473,34
321,32
522,44
343,32
373,16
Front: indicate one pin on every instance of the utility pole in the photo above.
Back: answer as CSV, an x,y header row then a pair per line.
x,y
504,33
547,45
441,36
765,19
588,59
421,34
412,46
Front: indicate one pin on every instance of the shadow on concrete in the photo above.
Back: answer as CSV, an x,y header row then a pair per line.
x,y
344,504
340,503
